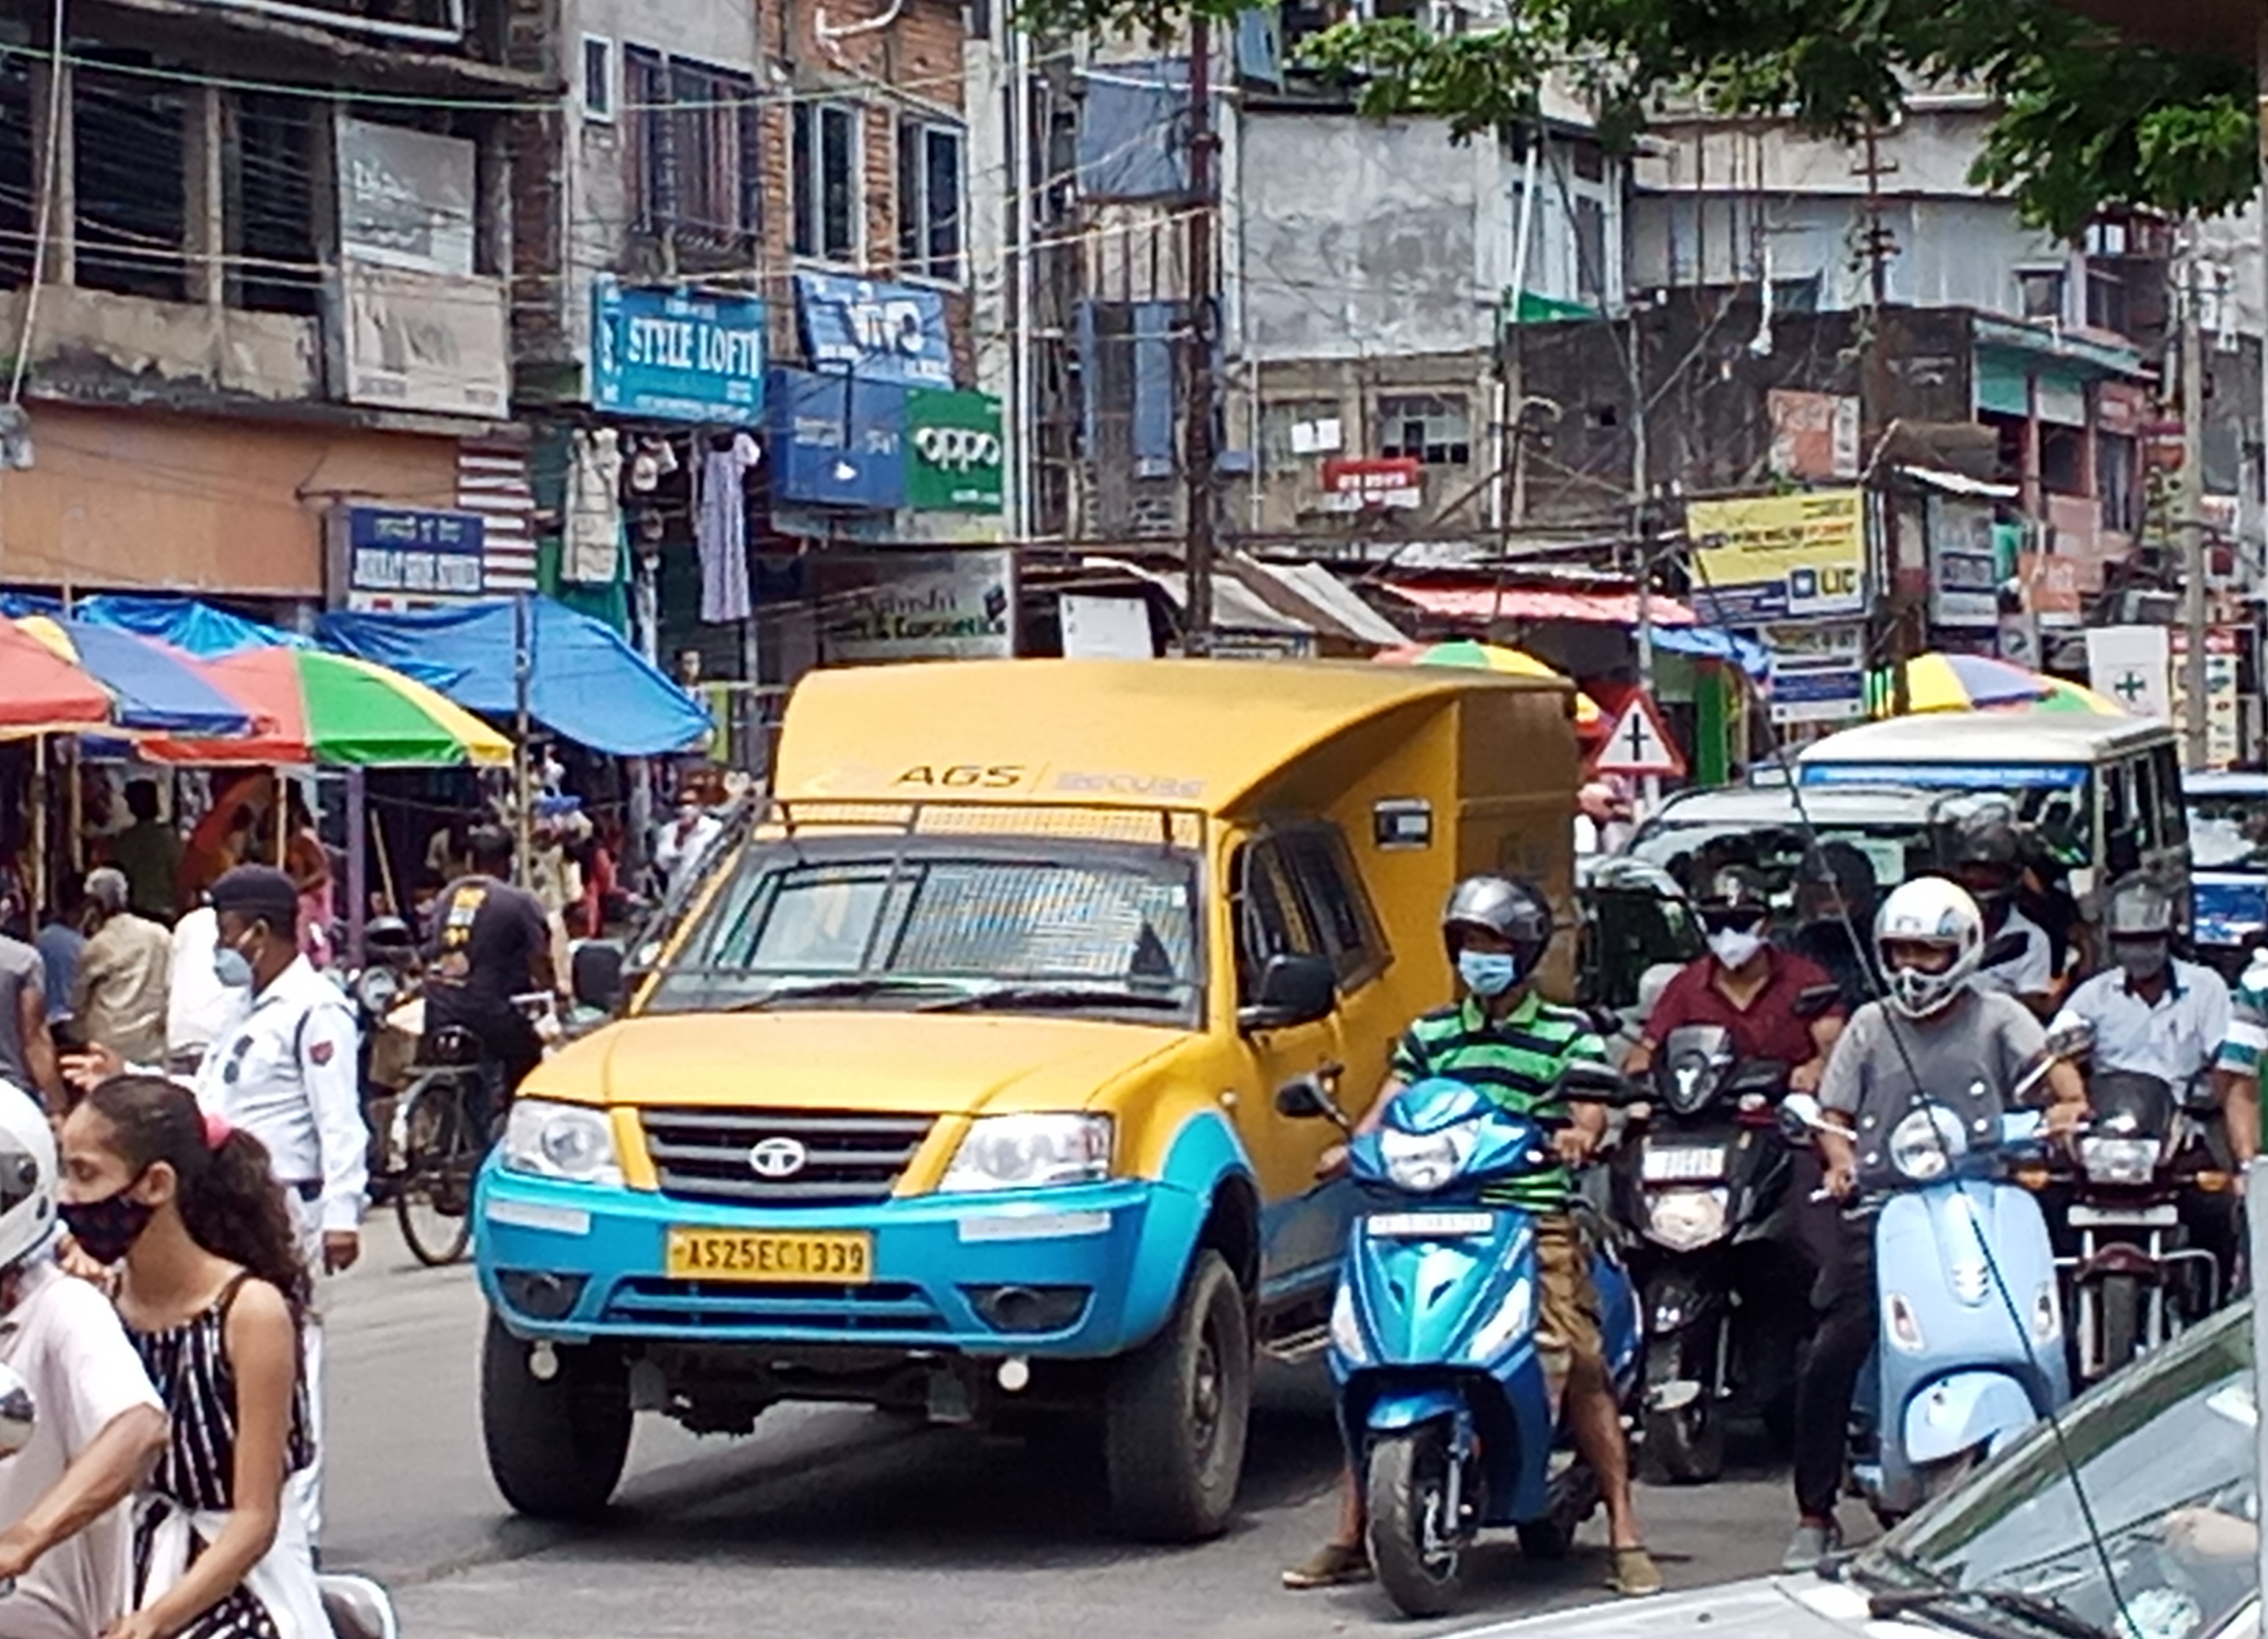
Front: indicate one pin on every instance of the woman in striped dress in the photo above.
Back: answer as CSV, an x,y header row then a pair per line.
x,y
212,1290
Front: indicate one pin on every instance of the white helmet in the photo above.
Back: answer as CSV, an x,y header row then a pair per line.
x,y
1929,910
27,1177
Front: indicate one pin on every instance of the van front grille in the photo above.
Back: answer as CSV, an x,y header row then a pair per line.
x,y
848,1158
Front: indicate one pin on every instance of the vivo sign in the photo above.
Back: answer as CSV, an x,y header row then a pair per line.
x,y
875,331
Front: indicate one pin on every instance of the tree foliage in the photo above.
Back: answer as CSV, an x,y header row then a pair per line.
x,y
2085,122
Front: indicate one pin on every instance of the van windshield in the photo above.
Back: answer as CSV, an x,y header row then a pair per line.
x,y
943,925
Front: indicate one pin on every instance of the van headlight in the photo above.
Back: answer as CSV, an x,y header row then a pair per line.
x,y
2119,1160
1925,1143
1422,1163
1030,1153
1681,1219
575,1142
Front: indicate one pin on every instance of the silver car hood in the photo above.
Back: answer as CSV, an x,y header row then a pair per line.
x,y
1775,1607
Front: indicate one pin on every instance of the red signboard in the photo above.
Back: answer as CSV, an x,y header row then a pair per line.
x,y
1352,482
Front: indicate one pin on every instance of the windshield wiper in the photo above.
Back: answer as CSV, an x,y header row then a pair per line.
x,y
2036,1608
1047,995
862,984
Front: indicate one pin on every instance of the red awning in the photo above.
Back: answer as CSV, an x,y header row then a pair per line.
x,y
1530,603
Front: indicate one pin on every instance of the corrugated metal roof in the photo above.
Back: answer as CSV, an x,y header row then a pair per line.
x,y
1530,603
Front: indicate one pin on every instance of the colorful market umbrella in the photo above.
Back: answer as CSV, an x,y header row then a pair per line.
x,y
1479,657
153,688
1954,682
2065,695
43,693
319,707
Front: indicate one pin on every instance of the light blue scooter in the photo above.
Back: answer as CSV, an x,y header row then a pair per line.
x,y
1971,1352
1441,1395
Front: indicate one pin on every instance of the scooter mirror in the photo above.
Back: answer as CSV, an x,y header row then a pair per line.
x,y
1591,1082
2072,1039
1813,1000
1801,1112
19,1414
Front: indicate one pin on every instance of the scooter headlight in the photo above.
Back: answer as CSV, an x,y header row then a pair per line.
x,y
2047,1314
1900,1321
1346,1331
1509,1324
1422,1163
1682,1219
2119,1160
1925,1143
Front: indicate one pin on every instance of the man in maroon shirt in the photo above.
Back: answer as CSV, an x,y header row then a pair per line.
x,y
1746,986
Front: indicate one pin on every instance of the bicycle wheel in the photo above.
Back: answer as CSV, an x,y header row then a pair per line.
x,y
440,1154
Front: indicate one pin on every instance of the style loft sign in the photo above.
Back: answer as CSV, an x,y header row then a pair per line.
x,y
677,355
955,452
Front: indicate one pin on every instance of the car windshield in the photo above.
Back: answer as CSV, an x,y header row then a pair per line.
x,y
1694,851
2164,1455
1105,930
2228,831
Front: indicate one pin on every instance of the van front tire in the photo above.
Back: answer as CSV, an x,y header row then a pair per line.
x,y
1176,1412
555,1448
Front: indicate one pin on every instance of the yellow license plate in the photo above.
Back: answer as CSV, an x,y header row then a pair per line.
x,y
841,1259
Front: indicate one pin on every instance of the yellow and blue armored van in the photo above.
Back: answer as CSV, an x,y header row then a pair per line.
x,y
953,1086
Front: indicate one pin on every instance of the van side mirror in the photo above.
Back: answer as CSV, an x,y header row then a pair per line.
x,y
598,976
1294,989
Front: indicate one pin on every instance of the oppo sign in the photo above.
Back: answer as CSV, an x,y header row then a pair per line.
x,y
957,449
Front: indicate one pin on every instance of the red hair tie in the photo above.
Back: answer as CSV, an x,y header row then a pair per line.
x,y
216,1129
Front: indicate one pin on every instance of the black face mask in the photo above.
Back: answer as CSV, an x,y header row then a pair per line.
x,y
106,1229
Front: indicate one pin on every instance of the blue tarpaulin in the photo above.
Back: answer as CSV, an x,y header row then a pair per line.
x,y
1711,643
194,628
584,682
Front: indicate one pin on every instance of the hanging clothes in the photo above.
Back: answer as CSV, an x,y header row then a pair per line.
x,y
720,529
593,535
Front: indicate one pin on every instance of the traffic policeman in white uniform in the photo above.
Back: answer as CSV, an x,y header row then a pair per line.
x,y
282,1067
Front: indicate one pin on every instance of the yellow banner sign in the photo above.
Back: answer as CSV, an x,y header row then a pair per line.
x,y
1779,557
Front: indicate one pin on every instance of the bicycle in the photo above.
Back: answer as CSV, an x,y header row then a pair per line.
x,y
441,1145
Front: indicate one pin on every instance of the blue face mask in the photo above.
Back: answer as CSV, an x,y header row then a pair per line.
x,y
232,967
1488,973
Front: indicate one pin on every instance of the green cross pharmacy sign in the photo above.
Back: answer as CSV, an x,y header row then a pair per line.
x,y
955,452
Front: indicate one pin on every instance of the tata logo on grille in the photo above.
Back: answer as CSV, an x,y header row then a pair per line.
x,y
777,1157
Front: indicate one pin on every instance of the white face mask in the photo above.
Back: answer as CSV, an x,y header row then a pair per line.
x,y
1735,947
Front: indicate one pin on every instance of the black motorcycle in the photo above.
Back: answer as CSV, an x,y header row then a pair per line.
x,y
387,977
2135,1281
1702,1192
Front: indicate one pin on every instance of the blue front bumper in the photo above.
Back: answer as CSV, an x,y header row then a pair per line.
x,y
1126,1242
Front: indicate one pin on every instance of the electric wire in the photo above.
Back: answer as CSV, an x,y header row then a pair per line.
x,y
1900,1038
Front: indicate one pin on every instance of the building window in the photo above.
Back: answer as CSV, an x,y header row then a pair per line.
x,y
1428,427
2114,478
2039,293
599,80
269,165
130,184
2106,300
825,161
2063,460
1296,433
693,159
929,200
1591,251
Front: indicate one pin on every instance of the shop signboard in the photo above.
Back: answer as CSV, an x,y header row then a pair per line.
x,y
406,197
1964,582
677,355
836,441
1815,434
919,605
875,331
2129,664
1354,484
1777,558
404,340
1818,673
954,452
2223,732
401,556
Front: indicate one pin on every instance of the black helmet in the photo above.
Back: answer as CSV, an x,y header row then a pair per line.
x,y
1512,910
1985,835
2139,908
1842,868
1733,896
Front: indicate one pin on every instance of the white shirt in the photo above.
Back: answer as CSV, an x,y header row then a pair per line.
x,y
2030,972
671,854
64,1339
198,1007
282,1069
2175,1039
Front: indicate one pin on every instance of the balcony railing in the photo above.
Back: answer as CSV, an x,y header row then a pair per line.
x,y
437,22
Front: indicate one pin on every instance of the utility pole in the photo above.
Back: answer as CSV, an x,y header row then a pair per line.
x,y
1197,454
2191,508
1896,614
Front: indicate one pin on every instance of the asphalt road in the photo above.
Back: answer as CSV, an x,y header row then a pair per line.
x,y
834,1521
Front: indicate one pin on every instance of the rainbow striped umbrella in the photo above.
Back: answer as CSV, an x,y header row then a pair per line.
x,y
1956,682
44,693
319,707
153,688
1479,657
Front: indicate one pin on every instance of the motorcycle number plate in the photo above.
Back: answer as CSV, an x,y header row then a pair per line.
x,y
1683,1163
2081,1216
1429,1225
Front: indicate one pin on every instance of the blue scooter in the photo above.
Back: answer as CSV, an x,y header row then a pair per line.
x,y
1441,1395
1971,1347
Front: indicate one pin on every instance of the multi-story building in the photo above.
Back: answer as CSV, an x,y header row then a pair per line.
x,y
251,261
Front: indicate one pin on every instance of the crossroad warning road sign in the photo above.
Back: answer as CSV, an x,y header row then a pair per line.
x,y
1638,742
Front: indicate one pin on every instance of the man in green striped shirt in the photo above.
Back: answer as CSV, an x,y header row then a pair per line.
x,y
1509,1044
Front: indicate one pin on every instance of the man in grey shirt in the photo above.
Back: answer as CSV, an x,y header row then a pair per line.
x,y
27,1052
1938,1040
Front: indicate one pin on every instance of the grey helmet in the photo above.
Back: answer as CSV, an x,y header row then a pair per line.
x,y
1509,910
2139,908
